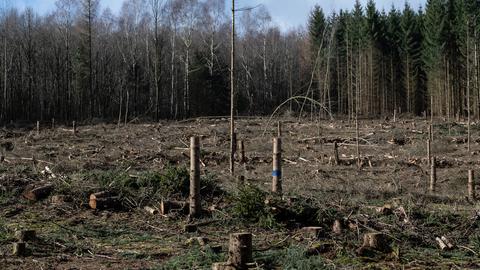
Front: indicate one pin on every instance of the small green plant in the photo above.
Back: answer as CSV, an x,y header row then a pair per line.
x,y
290,258
195,258
249,204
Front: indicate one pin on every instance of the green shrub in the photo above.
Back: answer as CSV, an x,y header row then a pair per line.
x,y
193,259
249,204
290,258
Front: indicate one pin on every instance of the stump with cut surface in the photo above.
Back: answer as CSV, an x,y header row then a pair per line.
x,y
376,241
104,200
240,250
19,249
35,193
25,235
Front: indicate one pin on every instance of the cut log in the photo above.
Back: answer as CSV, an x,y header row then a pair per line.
x,y
38,193
25,235
104,200
151,210
169,206
447,242
444,243
240,250
19,249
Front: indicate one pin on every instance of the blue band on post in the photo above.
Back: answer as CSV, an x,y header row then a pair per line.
x,y
277,173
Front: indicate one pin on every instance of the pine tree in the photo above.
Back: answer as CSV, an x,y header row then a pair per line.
x,y
84,70
433,50
407,46
316,27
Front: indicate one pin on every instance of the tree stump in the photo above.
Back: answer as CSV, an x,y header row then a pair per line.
x,y
335,153
25,235
376,241
19,249
240,250
471,186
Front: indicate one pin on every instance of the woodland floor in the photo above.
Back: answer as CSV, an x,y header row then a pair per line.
x,y
394,171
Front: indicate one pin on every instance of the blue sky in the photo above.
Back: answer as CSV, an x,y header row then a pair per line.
x,y
286,13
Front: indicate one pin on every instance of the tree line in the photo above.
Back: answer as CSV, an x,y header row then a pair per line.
x,y
169,59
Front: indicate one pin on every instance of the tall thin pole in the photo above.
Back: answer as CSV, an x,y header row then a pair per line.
x,y
232,94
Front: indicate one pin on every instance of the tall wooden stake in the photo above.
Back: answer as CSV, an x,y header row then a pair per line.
x,y
471,185
195,203
433,174
430,132
429,151
53,123
279,129
232,94
74,128
38,128
277,166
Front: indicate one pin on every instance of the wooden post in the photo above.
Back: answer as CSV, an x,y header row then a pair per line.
x,y
429,151
38,128
394,115
433,174
335,153
279,129
277,166
240,250
53,123
74,128
241,150
430,132
195,205
471,185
